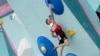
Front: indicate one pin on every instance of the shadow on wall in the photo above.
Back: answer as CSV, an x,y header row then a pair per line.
x,y
98,12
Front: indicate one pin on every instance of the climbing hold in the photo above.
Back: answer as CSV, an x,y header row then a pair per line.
x,y
58,7
46,46
71,32
1,22
43,49
71,54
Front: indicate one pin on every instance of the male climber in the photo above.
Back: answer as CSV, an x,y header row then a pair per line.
x,y
56,29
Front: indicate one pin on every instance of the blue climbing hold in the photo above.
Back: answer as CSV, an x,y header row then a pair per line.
x,y
47,46
58,7
71,54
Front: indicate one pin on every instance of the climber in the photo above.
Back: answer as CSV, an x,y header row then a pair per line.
x,y
57,31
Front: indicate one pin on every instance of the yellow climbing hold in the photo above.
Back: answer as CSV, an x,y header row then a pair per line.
x,y
71,32
1,21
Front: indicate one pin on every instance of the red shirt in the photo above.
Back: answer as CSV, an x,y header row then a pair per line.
x,y
58,29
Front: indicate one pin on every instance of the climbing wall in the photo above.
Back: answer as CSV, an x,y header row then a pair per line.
x,y
32,14
5,8
6,48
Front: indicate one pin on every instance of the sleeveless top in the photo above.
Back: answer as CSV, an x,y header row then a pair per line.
x,y
57,29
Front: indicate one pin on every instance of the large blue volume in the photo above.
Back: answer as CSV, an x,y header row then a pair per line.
x,y
43,41
58,7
